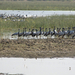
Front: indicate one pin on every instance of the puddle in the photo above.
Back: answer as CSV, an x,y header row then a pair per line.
x,y
39,66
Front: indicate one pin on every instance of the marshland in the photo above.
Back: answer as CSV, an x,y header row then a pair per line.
x,y
38,45
8,27
61,21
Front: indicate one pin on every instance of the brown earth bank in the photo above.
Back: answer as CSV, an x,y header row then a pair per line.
x,y
37,48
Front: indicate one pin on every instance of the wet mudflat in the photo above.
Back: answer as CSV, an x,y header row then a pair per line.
x,y
39,66
37,48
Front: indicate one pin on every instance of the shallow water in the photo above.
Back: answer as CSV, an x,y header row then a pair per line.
x,y
28,37
39,66
8,36
38,13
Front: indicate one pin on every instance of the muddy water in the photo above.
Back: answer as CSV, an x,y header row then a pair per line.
x,y
39,66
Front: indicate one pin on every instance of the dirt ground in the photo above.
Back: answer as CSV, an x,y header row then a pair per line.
x,y
37,48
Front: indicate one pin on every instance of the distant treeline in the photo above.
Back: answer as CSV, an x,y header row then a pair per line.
x,y
37,0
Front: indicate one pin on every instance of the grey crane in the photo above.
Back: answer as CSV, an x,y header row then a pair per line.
x,y
18,33
54,32
61,33
26,33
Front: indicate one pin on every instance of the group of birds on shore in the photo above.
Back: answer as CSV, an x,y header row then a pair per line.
x,y
13,17
35,32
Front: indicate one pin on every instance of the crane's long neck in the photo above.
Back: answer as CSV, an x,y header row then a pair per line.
x,y
32,31
62,29
54,30
49,31
23,30
40,30
18,31
68,30
43,30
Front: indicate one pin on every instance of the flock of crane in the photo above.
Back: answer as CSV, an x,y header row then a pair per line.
x,y
13,17
35,32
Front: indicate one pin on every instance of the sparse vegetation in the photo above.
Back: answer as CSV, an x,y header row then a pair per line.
x,y
44,22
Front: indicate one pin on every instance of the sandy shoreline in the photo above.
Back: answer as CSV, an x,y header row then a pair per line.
x,y
37,48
